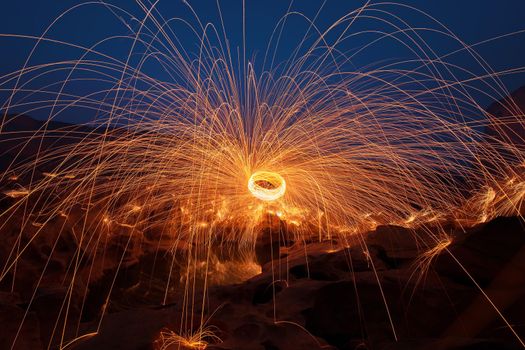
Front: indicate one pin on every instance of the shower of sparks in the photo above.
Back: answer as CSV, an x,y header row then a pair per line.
x,y
213,154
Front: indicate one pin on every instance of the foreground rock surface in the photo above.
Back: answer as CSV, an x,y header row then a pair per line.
x,y
367,296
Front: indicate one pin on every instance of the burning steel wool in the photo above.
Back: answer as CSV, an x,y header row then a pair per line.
x,y
266,185
226,169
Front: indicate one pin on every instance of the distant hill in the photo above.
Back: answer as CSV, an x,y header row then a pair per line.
x,y
20,141
22,122
505,112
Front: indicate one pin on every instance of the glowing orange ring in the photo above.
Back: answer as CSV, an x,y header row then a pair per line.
x,y
267,185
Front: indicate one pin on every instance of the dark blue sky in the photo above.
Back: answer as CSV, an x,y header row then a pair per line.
x,y
473,21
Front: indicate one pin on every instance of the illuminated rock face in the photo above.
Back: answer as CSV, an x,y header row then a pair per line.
x,y
267,185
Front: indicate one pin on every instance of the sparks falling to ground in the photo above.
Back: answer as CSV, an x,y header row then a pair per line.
x,y
227,168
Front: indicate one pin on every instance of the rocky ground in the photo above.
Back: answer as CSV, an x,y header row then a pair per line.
x,y
314,297
339,301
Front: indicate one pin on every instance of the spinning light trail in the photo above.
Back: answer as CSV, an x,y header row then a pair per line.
x,y
266,185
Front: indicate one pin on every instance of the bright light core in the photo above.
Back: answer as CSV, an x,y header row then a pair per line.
x,y
267,185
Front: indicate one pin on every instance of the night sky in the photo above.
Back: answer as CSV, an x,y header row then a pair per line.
x,y
472,21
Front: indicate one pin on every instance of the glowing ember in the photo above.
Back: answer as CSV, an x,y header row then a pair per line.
x,y
16,193
267,185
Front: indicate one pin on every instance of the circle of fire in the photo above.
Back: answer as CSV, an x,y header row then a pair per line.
x,y
267,185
